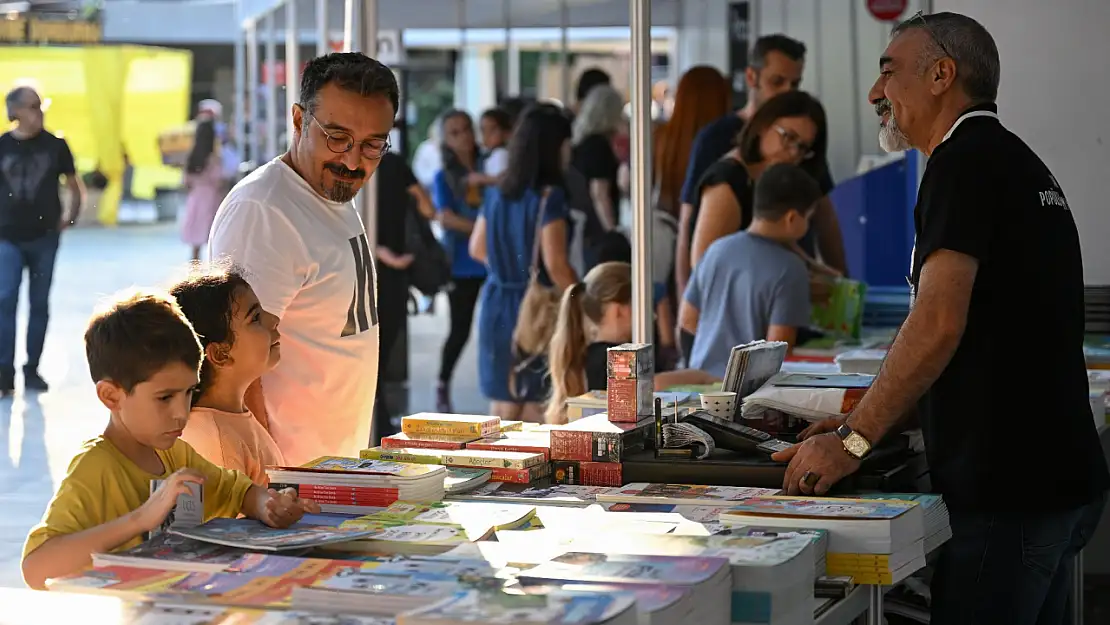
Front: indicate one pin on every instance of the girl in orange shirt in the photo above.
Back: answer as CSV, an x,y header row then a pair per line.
x,y
241,342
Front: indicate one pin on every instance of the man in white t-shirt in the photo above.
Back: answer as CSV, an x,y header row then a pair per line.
x,y
292,227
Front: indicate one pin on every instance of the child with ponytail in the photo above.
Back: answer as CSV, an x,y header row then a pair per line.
x,y
594,315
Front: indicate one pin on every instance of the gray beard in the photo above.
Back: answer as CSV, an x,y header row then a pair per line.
x,y
341,192
891,137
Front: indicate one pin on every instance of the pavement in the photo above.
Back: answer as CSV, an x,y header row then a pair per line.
x,y
39,433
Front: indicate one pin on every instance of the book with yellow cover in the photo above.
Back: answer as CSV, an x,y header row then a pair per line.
x,y
477,458
451,424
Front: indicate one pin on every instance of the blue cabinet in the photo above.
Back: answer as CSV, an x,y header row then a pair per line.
x,y
876,218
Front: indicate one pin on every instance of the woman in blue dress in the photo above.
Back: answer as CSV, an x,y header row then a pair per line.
x,y
503,237
457,194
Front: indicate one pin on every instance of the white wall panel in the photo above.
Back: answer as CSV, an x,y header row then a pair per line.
x,y
1054,93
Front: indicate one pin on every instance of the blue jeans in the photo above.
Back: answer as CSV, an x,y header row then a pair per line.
x,y
37,257
1009,569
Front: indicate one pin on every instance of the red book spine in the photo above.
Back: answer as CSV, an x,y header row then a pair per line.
x,y
588,473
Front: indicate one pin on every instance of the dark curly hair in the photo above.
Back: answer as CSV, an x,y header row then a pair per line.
x,y
207,297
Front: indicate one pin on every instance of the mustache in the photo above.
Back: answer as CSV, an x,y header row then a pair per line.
x,y
882,107
343,172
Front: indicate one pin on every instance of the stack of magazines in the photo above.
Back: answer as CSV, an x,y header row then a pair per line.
x,y
351,485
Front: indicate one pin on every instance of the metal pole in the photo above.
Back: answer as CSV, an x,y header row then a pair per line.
x,y
368,198
874,604
271,85
564,53
251,94
512,55
292,66
241,98
462,74
323,42
349,25
640,23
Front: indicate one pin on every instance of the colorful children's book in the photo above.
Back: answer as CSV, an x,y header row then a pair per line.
x,y
170,552
826,507
253,535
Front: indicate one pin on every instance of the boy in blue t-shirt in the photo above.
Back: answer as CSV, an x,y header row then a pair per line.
x,y
751,285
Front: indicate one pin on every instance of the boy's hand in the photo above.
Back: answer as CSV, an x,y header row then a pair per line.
x,y
151,514
282,509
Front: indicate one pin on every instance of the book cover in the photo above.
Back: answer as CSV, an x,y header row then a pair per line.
x,y
824,507
425,441
575,473
475,458
574,495
253,535
618,568
188,512
538,443
339,464
521,476
684,493
168,551
451,424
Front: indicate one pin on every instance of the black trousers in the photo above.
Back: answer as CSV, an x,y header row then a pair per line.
x,y
463,298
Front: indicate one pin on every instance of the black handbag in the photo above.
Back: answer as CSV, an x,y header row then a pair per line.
x,y
430,271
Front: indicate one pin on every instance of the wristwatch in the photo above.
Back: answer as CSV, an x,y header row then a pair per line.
x,y
853,442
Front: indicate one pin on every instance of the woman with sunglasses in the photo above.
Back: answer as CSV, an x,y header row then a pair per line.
x,y
789,128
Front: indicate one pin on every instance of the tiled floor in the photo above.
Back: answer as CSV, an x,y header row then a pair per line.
x,y
39,434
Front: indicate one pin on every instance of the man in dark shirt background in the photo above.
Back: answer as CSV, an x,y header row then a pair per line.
x,y
31,221
775,66
997,306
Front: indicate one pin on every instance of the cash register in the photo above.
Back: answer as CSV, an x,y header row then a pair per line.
x,y
741,456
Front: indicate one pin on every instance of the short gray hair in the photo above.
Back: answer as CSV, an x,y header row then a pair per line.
x,y
602,112
14,99
967,43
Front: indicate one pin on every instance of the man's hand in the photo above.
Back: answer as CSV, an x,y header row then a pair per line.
x,y
403,261
815,465
821,427
284,508
151,514
399,262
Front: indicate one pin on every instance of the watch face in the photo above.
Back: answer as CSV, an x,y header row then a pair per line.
x,y
857,445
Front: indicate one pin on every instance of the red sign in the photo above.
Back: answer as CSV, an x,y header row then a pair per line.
x,y
886,10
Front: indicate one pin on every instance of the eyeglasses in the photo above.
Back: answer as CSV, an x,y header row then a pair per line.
x,y
341,142
794,143
920,16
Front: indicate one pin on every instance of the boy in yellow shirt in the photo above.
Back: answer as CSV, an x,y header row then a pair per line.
x,y
144,358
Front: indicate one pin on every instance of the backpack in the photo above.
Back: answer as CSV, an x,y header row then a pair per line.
x,y
430,271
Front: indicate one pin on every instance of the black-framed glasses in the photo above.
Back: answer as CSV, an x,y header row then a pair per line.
x,y
794,143
340,142
920,17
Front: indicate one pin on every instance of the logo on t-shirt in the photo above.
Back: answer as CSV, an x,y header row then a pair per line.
x,y
362,314
1053,196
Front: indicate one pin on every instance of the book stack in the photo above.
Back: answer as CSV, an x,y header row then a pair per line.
x,y
504,466
872,541
708,580
472,606
937,529
819,537
588,452
530,442
1096,309
809,396
750,366
630,387
656,605
352,485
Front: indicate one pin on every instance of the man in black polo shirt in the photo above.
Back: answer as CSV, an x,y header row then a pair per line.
x,y
992,350
776,66
31,220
